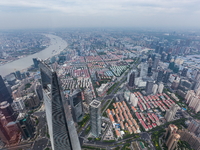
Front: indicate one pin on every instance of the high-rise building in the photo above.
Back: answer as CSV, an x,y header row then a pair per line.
x,y
170,113
35,62
4,93
25,125
170,130
166,76
62,131
160,88
149,71
4,136
188,96
157,50
175,84
23,74
7,111
160,76
171,64
155,62
143,69
131,79
18,75
172,141
185,85
198,92
197,86
149,87
169,57
95,118
190,138
76,103
184,72
193,126
18,104
193,100
161,50
133,99
155,87
163,57
38,91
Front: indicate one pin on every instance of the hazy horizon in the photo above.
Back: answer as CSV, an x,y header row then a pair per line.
x,y
113,13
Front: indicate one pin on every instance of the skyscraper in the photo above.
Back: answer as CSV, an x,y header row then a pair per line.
x,y
155,62
18,75
143,69
7,111
166,76
35,62
160,76
95,118
131,79
149,71
76,103
25,125
63,134
157,49
149,87
4,93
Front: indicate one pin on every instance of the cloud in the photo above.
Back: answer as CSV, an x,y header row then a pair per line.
x,y
104,6
99,12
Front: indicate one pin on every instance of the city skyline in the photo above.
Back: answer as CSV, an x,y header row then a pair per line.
x,y
102,88
68,13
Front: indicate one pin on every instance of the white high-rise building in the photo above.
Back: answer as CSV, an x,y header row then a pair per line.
x,y
189,95
18,104
155,88
133,99
160,88
170,113
193,101
144,69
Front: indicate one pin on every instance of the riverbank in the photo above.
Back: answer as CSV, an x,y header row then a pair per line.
x,y
57,45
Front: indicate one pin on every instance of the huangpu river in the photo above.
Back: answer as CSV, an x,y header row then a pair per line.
x,y
57,44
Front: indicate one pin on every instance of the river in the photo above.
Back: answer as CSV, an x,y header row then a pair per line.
x,y
57,45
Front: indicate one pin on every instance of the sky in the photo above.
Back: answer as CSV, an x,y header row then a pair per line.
x,y
21,14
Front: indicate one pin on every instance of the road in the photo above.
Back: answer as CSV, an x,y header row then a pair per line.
x,y
21,146
40,144
112,145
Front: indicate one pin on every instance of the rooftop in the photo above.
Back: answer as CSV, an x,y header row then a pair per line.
x,y
95,103
21,116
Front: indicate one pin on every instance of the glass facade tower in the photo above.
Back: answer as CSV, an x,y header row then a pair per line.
x,y
95,118
63,134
